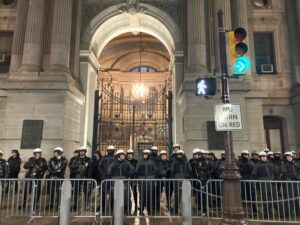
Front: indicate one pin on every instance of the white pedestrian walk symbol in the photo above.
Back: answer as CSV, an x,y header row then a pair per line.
x,y
201,88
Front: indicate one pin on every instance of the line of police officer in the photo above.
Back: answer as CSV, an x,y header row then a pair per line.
x,y
152,165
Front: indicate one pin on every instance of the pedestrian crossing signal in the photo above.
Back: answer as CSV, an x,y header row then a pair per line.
x,y
206,86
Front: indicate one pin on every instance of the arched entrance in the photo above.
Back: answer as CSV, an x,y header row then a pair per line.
x,y
103,31
126,120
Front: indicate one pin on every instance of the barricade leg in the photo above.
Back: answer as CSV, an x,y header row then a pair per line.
x,y
65,203
186,203
118,202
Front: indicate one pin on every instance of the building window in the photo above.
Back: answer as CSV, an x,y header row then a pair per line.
x,y
216,139
143,69
264,53
6,39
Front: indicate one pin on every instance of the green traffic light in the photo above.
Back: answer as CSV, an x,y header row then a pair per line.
x,y
241,65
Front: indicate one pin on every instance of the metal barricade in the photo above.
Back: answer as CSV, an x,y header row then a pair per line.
x,y
266,201
159,198
41,197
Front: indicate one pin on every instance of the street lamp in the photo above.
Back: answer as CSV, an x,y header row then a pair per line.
x,y
139,90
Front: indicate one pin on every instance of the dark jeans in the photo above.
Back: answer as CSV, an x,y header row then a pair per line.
x,y
146,191
85,186
32,187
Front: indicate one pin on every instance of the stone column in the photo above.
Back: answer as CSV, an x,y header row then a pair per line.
x,y
292,13
61,36
19,36
196,27
32,53
240,14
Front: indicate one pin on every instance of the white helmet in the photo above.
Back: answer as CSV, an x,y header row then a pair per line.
x,y
288,153
266,150
120,151
270,153
293,152
245,151
154,148
180,152
146,151
37,150
202,151
82,148
130,151
111,147
176,146
163,152
196,150
1,152
262,153
60,149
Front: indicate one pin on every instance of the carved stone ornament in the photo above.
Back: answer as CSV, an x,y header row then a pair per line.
x,y
132,6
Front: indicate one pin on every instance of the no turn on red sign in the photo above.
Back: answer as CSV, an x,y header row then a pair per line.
x,y
228,117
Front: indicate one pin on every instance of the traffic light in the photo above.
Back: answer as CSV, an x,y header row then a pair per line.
x,y
239,63
206,86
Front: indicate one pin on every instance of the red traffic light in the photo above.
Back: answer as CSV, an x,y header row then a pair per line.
x,y
240,34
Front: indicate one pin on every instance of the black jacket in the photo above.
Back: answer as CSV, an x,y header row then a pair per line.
x,y
202,169
120,169
104,164
14,166
82,167
57,167
264,171
164,168
288,170
36,168
180,168
146,168
4,169
245,167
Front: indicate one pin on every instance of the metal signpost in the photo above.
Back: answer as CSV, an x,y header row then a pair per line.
x,y
233,213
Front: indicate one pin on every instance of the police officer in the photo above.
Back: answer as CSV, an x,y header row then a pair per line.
x,y
14,162
156,191
290,190
133,184
56,168
180,169
270,156
75,155
4,170
82,167
146,169
265,171
246,166
121,169
103,169
164,168
175,148
254,157
36,167
95,163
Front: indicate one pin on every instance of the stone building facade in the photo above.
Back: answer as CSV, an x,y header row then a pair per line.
x,y
52,53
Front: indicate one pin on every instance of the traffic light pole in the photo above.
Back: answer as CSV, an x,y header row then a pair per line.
x,y
233,213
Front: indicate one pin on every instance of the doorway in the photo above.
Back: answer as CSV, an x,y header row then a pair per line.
x,y
274,133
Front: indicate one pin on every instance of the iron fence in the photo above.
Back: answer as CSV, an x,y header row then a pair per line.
x,y
41,197
269,200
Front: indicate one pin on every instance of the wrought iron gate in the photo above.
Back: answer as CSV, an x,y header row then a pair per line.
x,y
127,123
